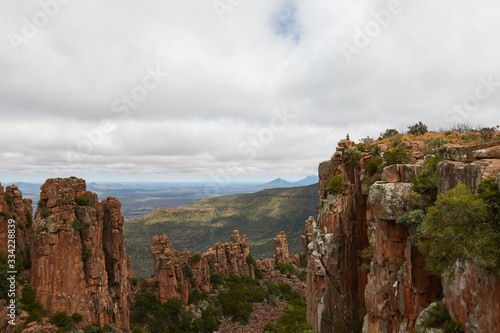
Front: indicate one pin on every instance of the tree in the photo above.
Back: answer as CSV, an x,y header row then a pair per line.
x,y
417,129
456,227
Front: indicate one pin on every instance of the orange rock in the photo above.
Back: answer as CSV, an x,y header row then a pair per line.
x,y
80,271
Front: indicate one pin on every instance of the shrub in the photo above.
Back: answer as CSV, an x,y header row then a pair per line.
x,y
335,185
412,218
390,132
456,227
351,156
397,155
462,128
286,268
81,227
437,142
372,165
62,320
436,316
367,252
195,256
488,191
417,129
452,327
487,133
361,146
76,317
84,200
187,269
426,185
251,261
86,253
45,213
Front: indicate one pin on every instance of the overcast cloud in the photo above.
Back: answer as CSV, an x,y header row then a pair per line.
x,y
252,89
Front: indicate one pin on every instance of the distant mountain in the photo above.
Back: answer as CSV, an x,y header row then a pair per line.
x,y
277,183
98,187
309,180
196,227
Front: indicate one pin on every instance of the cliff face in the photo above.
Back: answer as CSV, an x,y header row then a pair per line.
x,y
78,255
13,206
335,284
178,273
397,288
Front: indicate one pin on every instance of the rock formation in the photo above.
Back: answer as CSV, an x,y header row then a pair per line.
x,y
177,273
13,206
397,288
335,285
78,255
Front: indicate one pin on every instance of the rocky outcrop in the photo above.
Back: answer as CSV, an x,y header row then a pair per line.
x,y
78,256
281,247
178,273
335,284
398,287
490,153
231,257
400,172
450,174
13,206
473,297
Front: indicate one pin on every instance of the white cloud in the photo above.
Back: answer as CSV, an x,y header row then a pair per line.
x,y
226,78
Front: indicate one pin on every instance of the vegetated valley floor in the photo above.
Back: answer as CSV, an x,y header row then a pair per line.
x,y
197,227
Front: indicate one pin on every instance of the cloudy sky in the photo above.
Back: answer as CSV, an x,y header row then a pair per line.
x,y
231,89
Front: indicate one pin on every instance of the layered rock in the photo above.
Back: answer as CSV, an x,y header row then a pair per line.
x,y
78,254
13,206
281,247
178,273
473,297
398,287
335,285
450,174
231,257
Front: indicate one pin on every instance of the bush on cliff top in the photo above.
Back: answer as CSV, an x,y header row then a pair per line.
x,y
417,129
84,200
397,155
457,227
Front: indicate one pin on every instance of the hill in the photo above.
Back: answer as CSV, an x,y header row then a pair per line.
x,y
198,226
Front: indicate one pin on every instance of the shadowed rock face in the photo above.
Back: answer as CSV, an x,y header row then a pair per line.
x,y
80,266
335,285
177,273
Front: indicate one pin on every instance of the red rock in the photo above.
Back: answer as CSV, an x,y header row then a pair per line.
x,y
99,287
281,248
450,174
454,152
419,146
473,297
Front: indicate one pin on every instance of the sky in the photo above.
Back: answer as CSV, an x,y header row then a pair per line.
x,y
231,90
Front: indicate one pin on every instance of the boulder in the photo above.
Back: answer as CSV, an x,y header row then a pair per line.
x,y
389,199
419,146
450,174
453,152
490,153
400,172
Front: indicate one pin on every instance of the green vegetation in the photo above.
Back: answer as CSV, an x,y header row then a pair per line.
x,y
487,133
438,317
30,304
195,256
260,216
351,156
86,253
81,227
62,320
84,200
45,213
417,129
258,273
397,155
335,185
425,185
412,218
294,319
488,191
389,133
457,227
437,142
